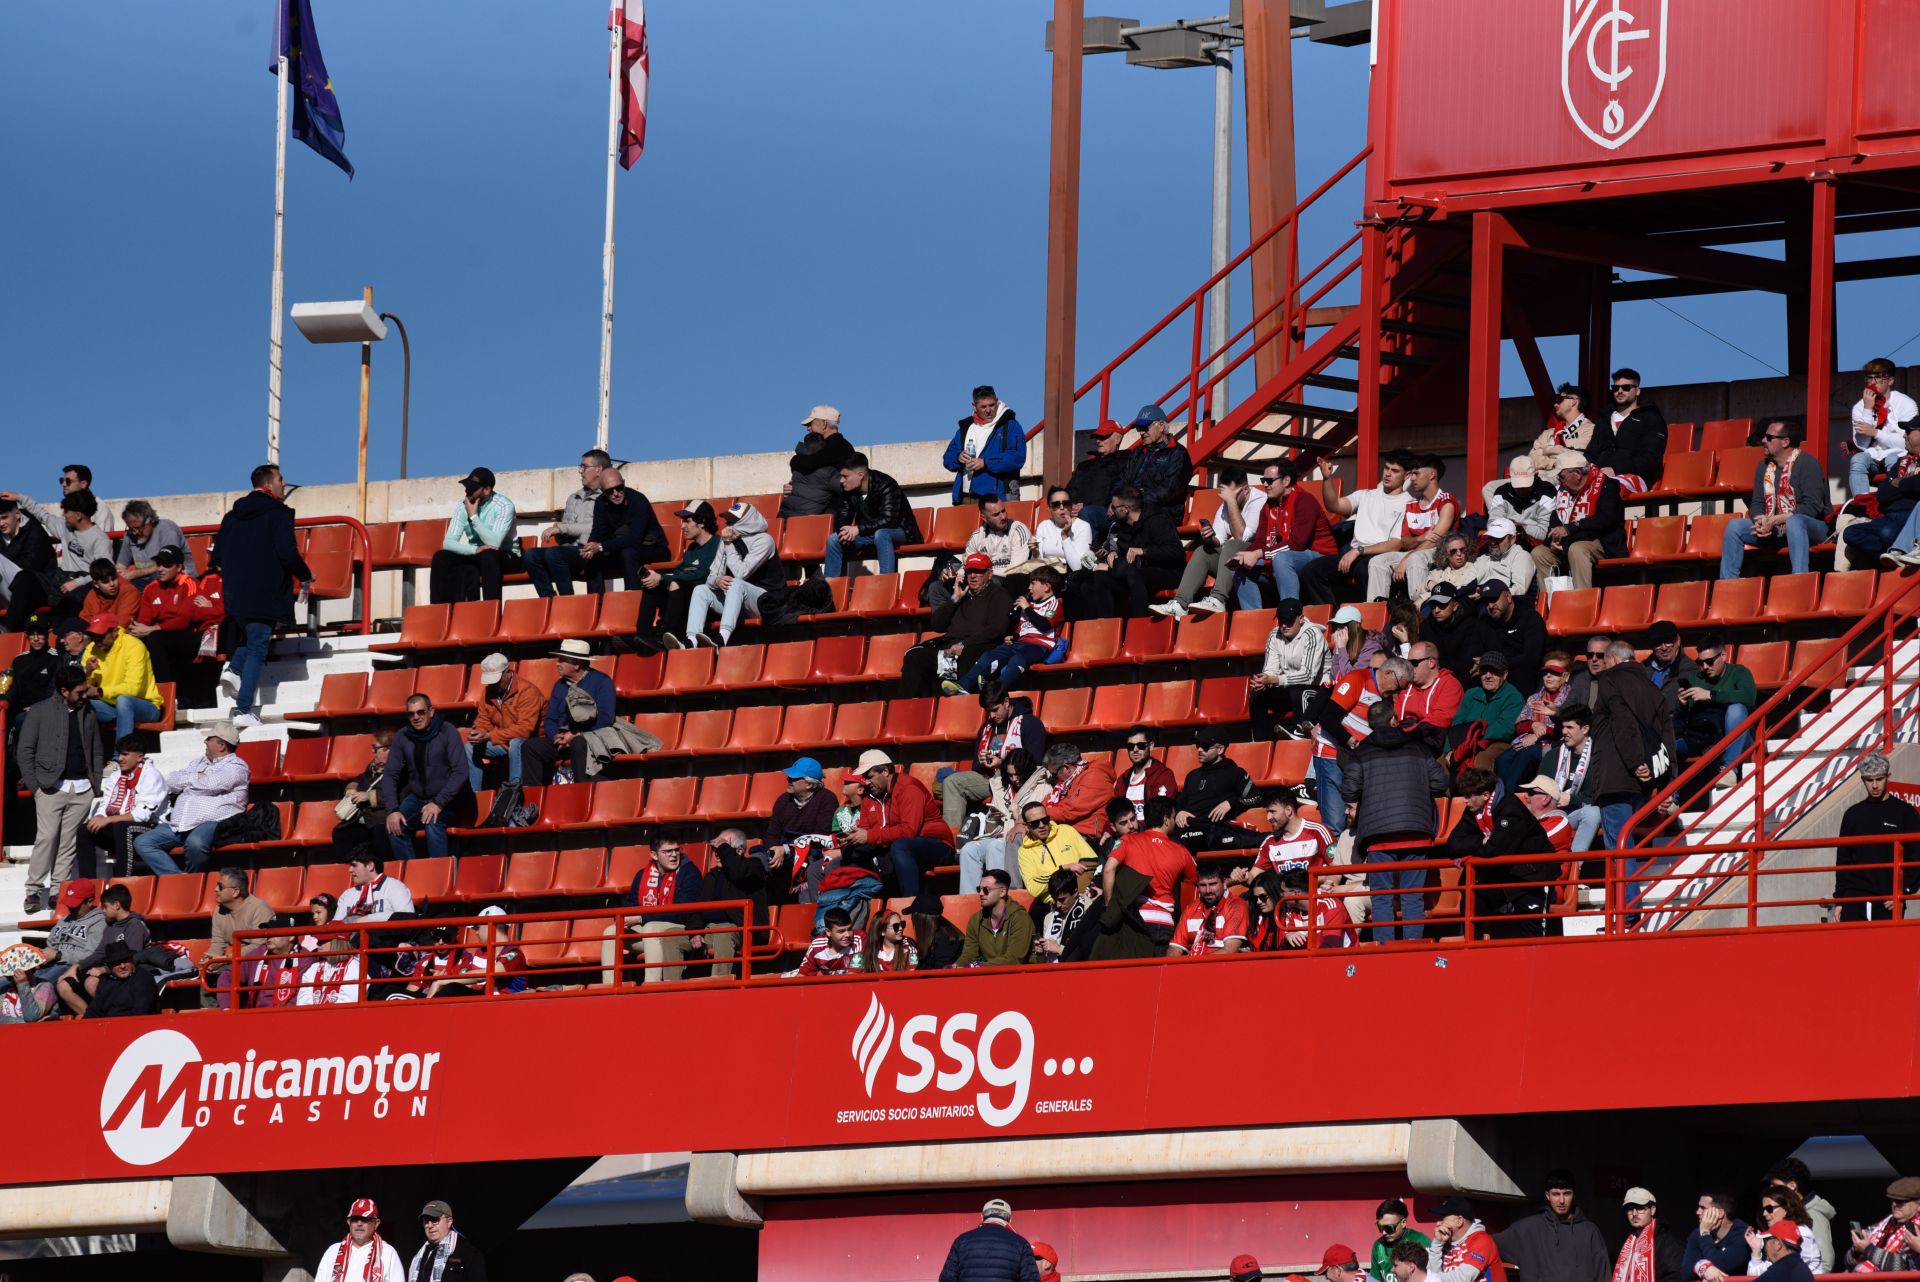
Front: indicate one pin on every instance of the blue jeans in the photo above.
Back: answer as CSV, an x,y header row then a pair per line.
x,y
1613,819
1287,565
151,847
1859,474
401,843
1014,658
881,543
551,570
1410,909
1868,539
1326,782
125,712
741,596
248,660
1517,765
1736,713
494,751
1586,822
1802,533
911,856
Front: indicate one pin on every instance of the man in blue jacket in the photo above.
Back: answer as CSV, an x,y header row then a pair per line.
x,y
1157,467
259,562
1721,1239
991,1253
987,451
561,731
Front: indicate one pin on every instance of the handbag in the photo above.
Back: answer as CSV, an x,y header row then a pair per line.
x,y
346,810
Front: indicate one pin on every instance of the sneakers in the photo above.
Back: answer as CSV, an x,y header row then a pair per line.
x,y
951,688
1169,609
1210,604
1910,557
35,903
246,721
706,638
672,641
230,683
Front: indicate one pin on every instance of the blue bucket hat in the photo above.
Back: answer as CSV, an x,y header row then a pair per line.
x,y
805,768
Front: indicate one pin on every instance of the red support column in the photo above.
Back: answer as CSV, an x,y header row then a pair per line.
x,y
1268,59
1820,317
1373,268
1490,235
1063,240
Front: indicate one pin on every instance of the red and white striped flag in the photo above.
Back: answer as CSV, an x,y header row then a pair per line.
x,y
633,72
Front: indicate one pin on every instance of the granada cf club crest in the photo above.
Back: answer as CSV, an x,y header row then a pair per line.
x,y
1613,65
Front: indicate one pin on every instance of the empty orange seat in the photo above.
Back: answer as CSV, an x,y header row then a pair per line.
x,y
705,731
1572,611
671,800
1222,699
579,872
1685,474
1736,601
1062,711
329,551
624,863
807,725
1733,469
563,805
1168,703
342,694
385,539
687,670
387,692
429,879
422,627
665,726
886,655
1094,642
614,802
1147,639
1292,762
444,683
804,538
947,529
1681,604
263,758
349,755
1657,538
908,720
787,663
1792,596
636,674
724,797
474,623
419,540
1626,607
576,616
1846,593
523,619
176,896
1829,672
873,595
1201,635
1116,707
755,729
280,887
529,874
835,658
737,667
479,876
618,616
1248,631
1722,434
1767,660
859,723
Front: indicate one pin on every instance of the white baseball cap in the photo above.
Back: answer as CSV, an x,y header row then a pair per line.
x,y
826,412
1500,528
492,668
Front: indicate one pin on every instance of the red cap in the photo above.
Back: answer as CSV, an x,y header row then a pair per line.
x,y
1786,1230
978,561
1111,428
1243,1266
101,624
1339,1256
78,892
363,1209
1045,1251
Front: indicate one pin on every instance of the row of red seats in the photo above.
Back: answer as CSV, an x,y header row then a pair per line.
x,y
1785,598
1661,540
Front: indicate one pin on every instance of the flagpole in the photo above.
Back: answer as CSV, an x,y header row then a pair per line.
x,y
615,79
277,329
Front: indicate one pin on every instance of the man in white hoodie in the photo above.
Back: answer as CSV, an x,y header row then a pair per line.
x,y
1879,432
743,571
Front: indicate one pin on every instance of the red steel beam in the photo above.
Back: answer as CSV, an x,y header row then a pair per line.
x,y
1268,56
1820,318
1491,235
1063,240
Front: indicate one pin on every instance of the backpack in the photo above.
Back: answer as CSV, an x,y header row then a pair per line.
x,y
510,809
260,821
789,603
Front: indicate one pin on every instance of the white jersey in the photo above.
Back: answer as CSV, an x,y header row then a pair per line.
x,y
378,900
358,1260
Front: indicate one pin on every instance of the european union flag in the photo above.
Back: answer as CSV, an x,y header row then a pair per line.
x,y
316,112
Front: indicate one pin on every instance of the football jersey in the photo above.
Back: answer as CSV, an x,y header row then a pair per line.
x,y
1199,931
1305,849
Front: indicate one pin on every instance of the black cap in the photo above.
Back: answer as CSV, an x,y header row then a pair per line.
x,y
1493,660
1288,610
1454,1206
117,952
699,510
1663,632
480,476
1494,589
1211,737
169,556
1445,590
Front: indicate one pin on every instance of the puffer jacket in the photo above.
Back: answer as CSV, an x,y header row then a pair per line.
x,y
1393,779
1631,722
883,506
815,468
750,556
1161,472
1005,453
990,1253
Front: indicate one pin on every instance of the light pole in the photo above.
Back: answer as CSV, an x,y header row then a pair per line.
x,y
348,322
406,385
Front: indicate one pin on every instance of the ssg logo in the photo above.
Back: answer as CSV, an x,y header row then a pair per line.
x,y
950,1055
1612,67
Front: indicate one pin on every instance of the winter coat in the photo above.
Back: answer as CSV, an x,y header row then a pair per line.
x,y
748,556
1393,779
1005,453
1097,477
1631,723
465,1262
618,527
1020,717
1522,638
981,618
1207,786
1161,473
990,1253
883,506
1085,804
1549,1248
617,738
1729,1254
815,468
438,775
1496,712
1156,534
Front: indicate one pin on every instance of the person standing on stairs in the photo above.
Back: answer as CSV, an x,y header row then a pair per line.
x,y
259,562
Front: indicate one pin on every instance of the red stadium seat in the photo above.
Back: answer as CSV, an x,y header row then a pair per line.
x,y
1657,539
1292,763
671,801
909,720
529,874
579,872
1572,611
1846,593
385,539
807,726
429,879
1736,601
737,667
1625,607
280,887
1168,703
1116,707
1733,469
615,802
1094,642
351,753
1830,673
885,656
624,863
804,538
1066,710
705,731
618,616
419,540
1792,596
1718,436
787,663
474,623
873,595
1684,474
1767,660
947,529
329,551
576,616
955,720
836,658
724,797
636,674
263,759
664,726
1681,604
860,723
304,761
479,877
176,896
755,729
687,671
1148,639
564,804
1201,635
388,691
523,619
1248,632
444,683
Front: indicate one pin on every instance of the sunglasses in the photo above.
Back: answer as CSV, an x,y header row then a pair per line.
x,y
1060,503
435,1219
359,1219
1769,1210
1139,747
896,925
1625,387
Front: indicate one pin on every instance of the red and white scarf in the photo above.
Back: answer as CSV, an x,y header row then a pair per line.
x,y
1061,788
1884,1236
1776,485
375,1270
656,889
1009,736
1636,1257
120,800
365,899
1578,505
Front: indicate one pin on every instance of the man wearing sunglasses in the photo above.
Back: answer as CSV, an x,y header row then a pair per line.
x,y
447,1254
1390,1217
362,1253
1650,1253
1631,446
1789,503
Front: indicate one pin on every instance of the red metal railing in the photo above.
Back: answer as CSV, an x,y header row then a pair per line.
x,y
1779,785
1287,314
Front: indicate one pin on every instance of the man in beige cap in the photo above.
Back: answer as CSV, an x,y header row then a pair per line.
x,y
508,716
913,837
211,789
1650,1253
1589,522
814,489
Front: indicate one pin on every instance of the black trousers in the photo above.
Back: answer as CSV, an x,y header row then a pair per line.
x,y
539,756
920,667
1270,708
172,652
663,611
453,577
1321,578
1203,835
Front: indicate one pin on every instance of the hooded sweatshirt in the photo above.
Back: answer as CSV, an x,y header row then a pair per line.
x,y
750,556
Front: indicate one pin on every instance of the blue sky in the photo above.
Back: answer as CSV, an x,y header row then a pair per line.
x,y
841,201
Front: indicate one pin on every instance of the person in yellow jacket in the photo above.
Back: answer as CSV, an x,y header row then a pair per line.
x,y
121,672
1049,846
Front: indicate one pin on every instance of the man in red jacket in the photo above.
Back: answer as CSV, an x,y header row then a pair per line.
x,y
168,620
911,830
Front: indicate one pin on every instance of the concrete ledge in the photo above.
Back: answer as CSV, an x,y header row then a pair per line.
x,y
713,1193
1450,1156
206,1216
1277,1150
59,1210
